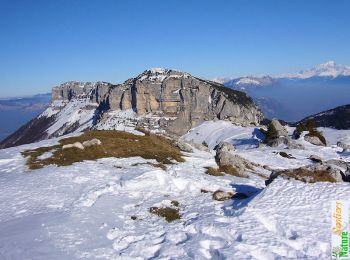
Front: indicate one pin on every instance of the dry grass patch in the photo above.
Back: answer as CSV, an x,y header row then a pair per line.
x,y
230,170
114,144
310,176
213,171
170,214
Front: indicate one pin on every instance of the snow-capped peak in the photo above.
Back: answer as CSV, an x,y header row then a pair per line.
x,y
247,80
327,69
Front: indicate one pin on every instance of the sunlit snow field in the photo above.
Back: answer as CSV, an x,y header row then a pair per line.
x,y
84,210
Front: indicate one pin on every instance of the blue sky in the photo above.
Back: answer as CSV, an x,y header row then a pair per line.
x,y
47,42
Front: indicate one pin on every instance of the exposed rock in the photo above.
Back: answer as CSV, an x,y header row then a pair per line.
x,y
224,156
92,142
222,195
313,140
275,142
224,147
346,147
315,158
200,147
286,155
78,145
344,167
291,144
281,130
157,99
310,174
183,146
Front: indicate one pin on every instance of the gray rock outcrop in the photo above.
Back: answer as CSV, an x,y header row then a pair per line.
x,y
345,146
224,156
330,171
313,140
160,99
280,129
222,195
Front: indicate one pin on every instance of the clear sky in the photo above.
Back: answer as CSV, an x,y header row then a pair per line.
x,y
47,42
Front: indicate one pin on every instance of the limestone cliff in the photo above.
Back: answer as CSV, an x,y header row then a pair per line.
x,y
157,99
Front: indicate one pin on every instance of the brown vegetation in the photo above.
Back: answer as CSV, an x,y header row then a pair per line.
x,y
170,214
114,144
312,176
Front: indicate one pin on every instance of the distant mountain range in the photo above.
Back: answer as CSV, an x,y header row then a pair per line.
x,y
294,96
16,111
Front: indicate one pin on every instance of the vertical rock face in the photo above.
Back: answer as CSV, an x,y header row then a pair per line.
x,y
184,98
160,99
74,90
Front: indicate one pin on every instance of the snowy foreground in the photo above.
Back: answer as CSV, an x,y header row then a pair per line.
x,y
84,210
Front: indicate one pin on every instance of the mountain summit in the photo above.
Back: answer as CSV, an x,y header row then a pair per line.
x,y
327,69
162,100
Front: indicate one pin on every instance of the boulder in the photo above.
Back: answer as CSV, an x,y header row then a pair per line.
x,y
224,156
345,146
283,140
281,130
224,147
74,145
314,140
344,167
92,142
310,174
183,146
200,146
222,195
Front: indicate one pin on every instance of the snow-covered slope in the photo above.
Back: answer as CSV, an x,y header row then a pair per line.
x,y
100,209
246,141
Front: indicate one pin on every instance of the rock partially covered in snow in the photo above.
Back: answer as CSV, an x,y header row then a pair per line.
x,y
280,129
222,195
92,142
224,156
343,166
310,174
314,140
346,147
224,147
315,158
200,147
183,146
78,145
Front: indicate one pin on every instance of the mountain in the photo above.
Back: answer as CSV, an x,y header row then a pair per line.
x,y
158,100
327,69
298,94
338,118
16,111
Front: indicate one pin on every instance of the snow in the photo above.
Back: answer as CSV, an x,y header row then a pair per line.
x,y
84,211
246,141
79,111
327,69
244,81
158,75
